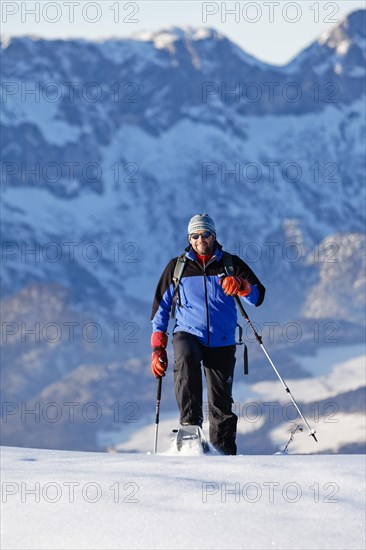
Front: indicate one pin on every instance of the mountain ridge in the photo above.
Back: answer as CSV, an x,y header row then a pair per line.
x,y
101,174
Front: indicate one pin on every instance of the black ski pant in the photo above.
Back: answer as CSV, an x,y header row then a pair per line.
x,y
218,363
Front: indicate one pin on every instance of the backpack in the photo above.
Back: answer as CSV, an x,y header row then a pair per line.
x,y
229,270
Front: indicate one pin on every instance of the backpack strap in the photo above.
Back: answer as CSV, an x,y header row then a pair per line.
x,y
229,270
177,275
228,263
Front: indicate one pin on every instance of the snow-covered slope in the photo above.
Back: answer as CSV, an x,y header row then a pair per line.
x,y
68,500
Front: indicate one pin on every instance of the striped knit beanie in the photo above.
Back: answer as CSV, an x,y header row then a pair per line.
x,y
201,222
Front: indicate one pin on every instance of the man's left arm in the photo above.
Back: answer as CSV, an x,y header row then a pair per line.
x,y
256,289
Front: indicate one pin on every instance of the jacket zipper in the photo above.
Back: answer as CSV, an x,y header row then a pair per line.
x,y
206,300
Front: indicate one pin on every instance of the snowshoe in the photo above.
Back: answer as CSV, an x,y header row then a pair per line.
x,y
190,438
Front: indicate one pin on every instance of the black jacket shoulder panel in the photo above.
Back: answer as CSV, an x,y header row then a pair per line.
x,y
243,270
165,281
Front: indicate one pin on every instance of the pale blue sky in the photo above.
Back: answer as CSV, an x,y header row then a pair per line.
x,y
273,31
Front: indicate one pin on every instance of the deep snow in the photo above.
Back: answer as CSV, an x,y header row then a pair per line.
x,y
72,500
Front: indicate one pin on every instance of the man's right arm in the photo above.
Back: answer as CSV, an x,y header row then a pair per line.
x,y
163,299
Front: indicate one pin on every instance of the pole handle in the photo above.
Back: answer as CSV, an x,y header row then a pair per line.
x,y
158,399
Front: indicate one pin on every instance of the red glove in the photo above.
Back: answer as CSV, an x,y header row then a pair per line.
x,y
235,286
159,359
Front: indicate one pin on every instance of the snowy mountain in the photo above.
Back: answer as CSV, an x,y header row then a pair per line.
x,y
339,51
110,147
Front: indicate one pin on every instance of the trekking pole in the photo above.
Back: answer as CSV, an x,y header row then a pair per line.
x,y
158,398
259,340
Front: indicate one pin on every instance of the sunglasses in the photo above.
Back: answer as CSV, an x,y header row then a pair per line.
x,y
204,235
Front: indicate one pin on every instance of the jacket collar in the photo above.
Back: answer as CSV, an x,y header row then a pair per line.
x,y
217,255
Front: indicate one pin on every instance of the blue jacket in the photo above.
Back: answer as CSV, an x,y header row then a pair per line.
x,y
205,310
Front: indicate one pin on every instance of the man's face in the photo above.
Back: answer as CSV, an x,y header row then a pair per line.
x,y
203,243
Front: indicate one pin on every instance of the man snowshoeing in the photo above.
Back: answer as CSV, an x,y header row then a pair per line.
x,y
204,331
